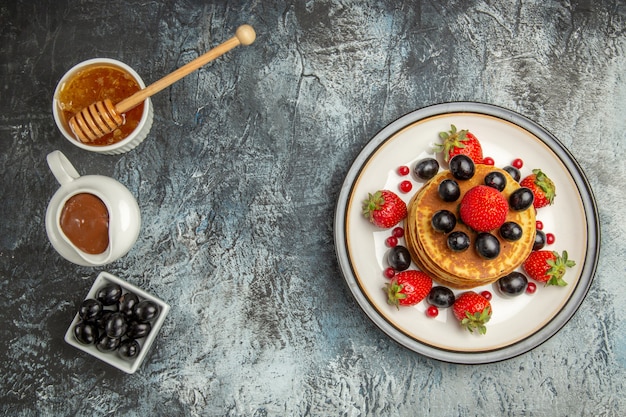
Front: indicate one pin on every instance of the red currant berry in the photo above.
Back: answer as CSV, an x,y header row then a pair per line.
x,y
550,238
406,186
488,161
397,232
432,311
403,170
389,272
531,288
486,294
517,163
539,225
392,241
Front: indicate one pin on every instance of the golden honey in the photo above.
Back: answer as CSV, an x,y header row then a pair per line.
x,y
97,83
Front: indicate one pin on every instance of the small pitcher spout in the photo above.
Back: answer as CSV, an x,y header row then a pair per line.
x,y
97,259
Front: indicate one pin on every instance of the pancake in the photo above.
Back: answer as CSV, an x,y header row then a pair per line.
x,y
467,269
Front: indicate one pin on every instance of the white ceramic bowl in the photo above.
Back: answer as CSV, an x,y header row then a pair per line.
x,y
125,145
112,358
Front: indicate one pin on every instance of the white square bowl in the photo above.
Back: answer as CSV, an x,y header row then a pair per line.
x,y
128,366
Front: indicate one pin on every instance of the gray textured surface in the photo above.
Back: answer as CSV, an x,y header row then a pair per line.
x,y
237,185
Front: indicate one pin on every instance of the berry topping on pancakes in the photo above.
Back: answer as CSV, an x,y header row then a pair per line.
x,y
483,208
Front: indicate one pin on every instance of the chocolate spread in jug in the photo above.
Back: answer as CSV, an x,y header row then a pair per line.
x,y
85,222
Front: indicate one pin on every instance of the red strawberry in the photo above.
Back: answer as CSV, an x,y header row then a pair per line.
x,y
473,311
408,288
542,187
547,266
384,208
483,208
460,142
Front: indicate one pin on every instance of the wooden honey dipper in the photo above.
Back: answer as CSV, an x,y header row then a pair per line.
x,y
103,117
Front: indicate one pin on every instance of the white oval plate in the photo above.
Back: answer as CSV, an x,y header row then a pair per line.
x,y
518,324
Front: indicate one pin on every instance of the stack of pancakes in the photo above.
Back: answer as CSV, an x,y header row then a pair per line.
x,y
467,269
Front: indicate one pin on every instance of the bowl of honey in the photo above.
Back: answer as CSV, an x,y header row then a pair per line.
x,y
96,80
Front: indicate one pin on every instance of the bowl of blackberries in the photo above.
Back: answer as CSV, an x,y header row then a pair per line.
x,y
117,322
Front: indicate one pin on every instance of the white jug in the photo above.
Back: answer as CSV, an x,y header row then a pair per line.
x,y
124,218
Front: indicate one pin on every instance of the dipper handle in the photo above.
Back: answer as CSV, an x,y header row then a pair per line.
x,y
244,35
